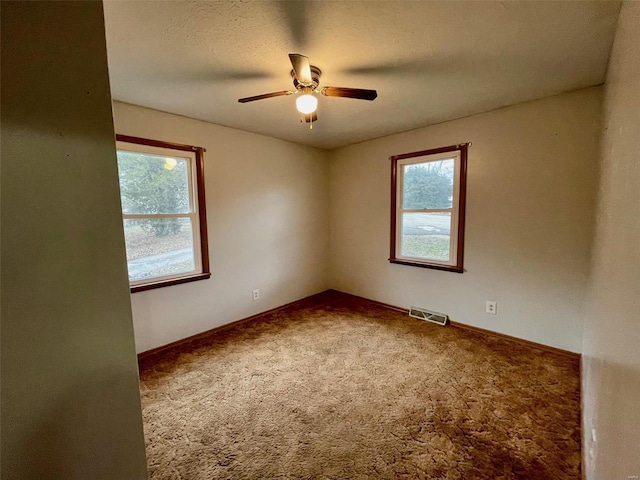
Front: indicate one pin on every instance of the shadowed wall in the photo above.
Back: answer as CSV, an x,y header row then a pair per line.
x,y
611,357
70,399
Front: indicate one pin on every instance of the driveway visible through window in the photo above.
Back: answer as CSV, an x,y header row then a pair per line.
x,y
427,208
163,212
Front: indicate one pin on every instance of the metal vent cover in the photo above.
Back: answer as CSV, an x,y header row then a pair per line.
x,y
423,314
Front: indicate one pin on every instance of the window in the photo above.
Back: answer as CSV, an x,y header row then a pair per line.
x,y
427,208
163,211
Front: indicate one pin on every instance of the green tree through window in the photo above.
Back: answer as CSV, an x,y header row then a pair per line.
x,y
428,185
154,184
427,208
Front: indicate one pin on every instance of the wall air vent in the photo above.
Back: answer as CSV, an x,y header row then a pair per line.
x,y
422,314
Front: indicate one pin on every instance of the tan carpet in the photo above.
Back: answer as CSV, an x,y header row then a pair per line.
x,y
338,387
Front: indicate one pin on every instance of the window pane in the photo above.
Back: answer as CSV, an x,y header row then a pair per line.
x,y
426,235
428,185
158,247
153,183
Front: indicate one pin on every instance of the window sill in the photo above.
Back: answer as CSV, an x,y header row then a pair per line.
x,y
167,283
435,266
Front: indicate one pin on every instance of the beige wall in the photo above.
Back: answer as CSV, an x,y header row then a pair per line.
x,y
611,357
532,173
70,405
70,399
267,208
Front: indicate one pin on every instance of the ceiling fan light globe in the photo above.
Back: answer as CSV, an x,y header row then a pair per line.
x,y
306,103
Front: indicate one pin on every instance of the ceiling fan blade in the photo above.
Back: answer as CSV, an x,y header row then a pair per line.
x,y
265,95
311,117
301,68
359,93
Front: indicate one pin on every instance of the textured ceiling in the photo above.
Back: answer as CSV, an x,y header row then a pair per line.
x,y
429,61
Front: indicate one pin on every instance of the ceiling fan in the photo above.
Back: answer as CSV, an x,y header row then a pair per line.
x,y
306,79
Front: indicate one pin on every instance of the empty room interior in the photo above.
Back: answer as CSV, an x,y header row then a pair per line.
x,y
320,240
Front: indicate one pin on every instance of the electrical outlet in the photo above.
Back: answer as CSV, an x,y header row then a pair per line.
x,y
256,294
492,307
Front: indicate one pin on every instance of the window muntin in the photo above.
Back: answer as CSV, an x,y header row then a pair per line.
x,y
428,193
162,195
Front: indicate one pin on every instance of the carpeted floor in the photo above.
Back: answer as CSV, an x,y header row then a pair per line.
x,y
337,387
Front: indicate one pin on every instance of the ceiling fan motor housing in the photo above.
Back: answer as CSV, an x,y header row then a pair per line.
x,y
315,78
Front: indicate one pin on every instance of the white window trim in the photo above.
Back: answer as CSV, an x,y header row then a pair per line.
x,y
400,210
